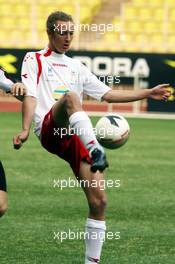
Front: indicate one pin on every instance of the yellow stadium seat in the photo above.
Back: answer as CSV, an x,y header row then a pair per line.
x,y
3,36
158,13
8,22
96,3
139,38
130,48
50,8
5,9
155,2
41,24
21,9
16,37
132,26
130,12
170,2
157,39
145,13
42,39
116,20
127,39
172,14
58,2
112,36
171,40
138,2
85,14
16,2
171,28
153,27
70,9
23,23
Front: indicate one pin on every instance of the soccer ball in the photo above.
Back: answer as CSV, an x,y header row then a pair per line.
x,y
112,131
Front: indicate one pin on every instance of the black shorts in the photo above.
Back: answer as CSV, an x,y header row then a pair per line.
x,y
3,186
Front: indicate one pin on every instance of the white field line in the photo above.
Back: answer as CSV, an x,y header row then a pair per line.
x,y
150,115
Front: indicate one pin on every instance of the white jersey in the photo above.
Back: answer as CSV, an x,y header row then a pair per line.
x,y
48,75
5,83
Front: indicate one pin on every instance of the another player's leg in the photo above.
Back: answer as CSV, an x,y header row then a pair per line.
x,y
69,111
3,193
95,224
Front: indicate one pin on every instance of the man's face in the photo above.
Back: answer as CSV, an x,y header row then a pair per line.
x,y
61,38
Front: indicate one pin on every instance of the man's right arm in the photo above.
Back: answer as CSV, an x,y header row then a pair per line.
x,y
28,110
29,79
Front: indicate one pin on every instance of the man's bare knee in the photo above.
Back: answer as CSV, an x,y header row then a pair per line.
x,y
97,205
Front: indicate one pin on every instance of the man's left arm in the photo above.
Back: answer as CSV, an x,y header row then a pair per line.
x,y
159,92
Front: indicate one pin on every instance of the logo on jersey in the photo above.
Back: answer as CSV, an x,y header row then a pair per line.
x,y
50,72
59,92
25,75
59,64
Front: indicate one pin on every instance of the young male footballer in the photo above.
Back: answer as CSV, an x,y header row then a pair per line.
x,y
18,90
55,85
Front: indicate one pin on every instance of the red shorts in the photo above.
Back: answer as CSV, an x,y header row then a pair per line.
x,y
70,148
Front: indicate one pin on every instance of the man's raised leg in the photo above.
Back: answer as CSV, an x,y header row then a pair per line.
x,y
68,111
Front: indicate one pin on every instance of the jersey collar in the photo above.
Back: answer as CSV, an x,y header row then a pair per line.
x,y
49,52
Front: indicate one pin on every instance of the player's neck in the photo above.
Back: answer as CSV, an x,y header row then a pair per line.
x,y
55,50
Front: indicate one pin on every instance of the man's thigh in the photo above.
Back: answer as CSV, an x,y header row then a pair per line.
x,y
59,114
67,147
65,107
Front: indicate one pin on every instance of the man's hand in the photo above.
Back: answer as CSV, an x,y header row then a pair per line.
x,y
20,138
18,89
28,109
160,92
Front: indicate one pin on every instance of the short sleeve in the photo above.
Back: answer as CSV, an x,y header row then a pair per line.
x,y
92,86
29,74
4,80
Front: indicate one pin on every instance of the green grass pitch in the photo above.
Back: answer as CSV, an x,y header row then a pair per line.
x,y
142,209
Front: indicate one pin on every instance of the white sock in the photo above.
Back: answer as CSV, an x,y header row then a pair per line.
x,y
83,128
95,236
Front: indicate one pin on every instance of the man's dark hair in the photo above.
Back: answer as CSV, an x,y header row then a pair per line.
x,y
55,16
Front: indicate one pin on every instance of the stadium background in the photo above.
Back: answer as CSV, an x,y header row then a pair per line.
x,y
130,39
142,209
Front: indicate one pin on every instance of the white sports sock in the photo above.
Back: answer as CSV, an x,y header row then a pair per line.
x,y
83,128
95,236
